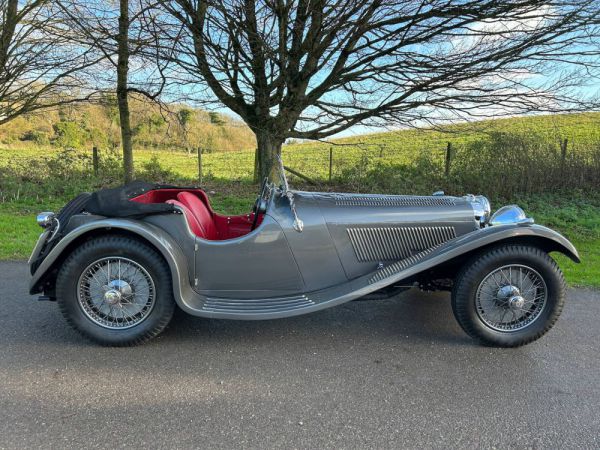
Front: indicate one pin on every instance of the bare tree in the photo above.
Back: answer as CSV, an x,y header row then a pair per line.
x,y
39,68
122,88
312,68
121,37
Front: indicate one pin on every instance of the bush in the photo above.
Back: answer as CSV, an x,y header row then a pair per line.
x,y
153,171
38,137
501,165
70,134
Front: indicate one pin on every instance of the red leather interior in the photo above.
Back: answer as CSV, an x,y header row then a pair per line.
x,y
191,219
204,222
231,227
201,213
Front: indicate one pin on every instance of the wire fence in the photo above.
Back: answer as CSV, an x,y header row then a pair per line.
x,y
503,165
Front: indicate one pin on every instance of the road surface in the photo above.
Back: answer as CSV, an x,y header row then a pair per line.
x,y
387,374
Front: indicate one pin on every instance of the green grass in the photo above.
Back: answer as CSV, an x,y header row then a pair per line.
x,y
580,129
19,233
586,274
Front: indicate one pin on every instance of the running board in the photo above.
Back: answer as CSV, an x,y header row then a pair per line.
x,y
256,306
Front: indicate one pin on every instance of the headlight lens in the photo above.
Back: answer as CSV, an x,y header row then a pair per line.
x,y
45,219
510,214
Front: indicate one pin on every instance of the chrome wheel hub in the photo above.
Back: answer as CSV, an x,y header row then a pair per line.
x,y
117,290
511,298
516,302
116,293
112,297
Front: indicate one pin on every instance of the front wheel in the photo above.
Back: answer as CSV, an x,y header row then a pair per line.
x,y
116,291
509,296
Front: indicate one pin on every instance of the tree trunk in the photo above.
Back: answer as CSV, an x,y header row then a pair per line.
x,y
269,148
6,34
122,90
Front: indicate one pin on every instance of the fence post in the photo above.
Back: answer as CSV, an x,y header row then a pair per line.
x,y
563,150
95,160
381,151
330,162
256,164
449,156
200,165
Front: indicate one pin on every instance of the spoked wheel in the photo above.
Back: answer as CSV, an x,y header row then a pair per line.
x,y
116,291
509,296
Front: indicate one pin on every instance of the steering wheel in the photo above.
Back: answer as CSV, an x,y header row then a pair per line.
x,y
260,206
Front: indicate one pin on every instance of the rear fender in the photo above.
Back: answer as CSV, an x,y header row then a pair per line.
x,y
164,243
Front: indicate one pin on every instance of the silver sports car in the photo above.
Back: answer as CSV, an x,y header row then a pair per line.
x,y
118,261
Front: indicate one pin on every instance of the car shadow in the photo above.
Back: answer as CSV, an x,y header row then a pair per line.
x,y
412,315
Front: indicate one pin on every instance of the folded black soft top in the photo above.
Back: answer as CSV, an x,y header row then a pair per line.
x,y
116,202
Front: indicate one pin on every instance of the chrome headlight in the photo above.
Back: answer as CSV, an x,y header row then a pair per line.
x,y
481,207
510,214
45,219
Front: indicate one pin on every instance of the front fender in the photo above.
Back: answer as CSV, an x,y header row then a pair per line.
x,y
545,238
157,237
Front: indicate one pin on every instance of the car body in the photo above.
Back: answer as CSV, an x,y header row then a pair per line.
x,y
295,253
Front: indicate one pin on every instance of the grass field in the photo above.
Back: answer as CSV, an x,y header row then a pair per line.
x,y
582,132
34,179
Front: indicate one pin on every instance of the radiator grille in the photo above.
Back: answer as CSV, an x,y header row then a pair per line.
x,y
393,243
392,200
256,306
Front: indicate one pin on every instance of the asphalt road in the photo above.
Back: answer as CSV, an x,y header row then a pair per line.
x,y
394,373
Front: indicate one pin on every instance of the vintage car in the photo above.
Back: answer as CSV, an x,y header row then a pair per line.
x,y
118,261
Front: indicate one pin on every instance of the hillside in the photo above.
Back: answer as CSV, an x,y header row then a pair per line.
x,y
173,126
535,152
582,130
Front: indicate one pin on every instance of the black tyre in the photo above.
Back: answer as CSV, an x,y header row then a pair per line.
x,y
116,291
508,296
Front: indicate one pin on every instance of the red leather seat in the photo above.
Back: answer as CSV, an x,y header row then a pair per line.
x,y
201,214
191,218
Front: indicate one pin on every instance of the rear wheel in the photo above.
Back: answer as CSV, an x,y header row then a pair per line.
x,y
509,296
116,291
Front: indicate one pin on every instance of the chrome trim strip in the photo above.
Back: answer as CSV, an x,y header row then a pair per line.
x,y
256,306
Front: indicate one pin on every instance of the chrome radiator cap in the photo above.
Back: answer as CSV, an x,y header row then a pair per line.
x,y
481,207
